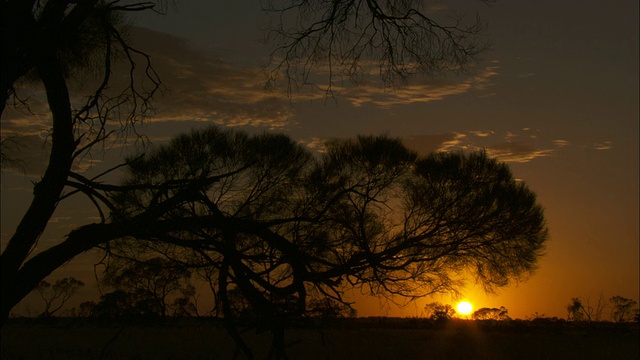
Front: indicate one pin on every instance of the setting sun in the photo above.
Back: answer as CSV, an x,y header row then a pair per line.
x,y
464,308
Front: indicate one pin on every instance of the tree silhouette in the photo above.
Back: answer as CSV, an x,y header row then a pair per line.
x,y
120,304
580,310
491,314
623,309
284,228
155,280
48,42
56,295
439,312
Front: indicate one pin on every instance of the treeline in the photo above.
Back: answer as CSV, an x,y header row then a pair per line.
x,y
617,309
144,291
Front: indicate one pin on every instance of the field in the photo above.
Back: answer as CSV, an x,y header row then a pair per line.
x,y
378,338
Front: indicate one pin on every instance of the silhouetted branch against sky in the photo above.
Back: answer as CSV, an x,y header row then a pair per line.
x,y
50,43
353,39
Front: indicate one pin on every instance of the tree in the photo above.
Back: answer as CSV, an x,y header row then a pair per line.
x,y
121,304
156,280
491,314
48,42
283,227
581,311
623,309
439,312
56,295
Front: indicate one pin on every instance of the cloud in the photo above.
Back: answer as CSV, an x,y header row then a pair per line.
x,y
516,151
516,146
28,155
418,91
605,145
315,143
481,133
425,144
204,88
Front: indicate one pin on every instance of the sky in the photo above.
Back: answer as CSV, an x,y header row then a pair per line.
x,y
555,96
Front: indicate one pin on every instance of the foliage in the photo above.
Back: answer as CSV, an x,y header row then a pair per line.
x,y
576,311
284,228
122,304
623,309
156,281
439,312
491,314
56,295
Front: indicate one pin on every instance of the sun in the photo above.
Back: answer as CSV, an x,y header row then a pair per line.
x,y
464,308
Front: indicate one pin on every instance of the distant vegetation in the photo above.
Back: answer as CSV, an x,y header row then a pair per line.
x,y
148,293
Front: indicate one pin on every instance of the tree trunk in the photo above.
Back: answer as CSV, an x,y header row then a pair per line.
x,y
46,192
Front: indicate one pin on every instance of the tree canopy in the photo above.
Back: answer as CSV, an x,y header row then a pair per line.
x,y
285,227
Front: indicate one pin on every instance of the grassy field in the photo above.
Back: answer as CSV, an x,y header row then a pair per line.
x,y
349,339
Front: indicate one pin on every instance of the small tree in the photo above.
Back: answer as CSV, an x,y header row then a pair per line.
x,y
576,311
122,304
186,304
438,311
155,281
623,309
580,310
86,309
491,314
56,295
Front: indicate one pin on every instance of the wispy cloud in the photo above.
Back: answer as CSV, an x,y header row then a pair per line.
x,y
418,91
481,133
518,146
425,144
516,151
201,87
315,143
204,88
605,145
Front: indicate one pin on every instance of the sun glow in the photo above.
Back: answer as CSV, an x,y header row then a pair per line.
x,y
464,308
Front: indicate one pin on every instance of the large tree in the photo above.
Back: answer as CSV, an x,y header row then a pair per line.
x,y
283,227
49,42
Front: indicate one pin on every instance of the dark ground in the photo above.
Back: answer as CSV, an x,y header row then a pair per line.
x,y
370,338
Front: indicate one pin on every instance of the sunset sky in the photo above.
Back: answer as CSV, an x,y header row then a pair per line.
x,y
556,96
